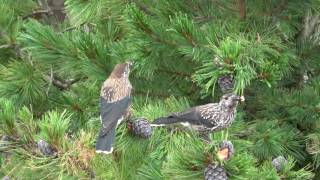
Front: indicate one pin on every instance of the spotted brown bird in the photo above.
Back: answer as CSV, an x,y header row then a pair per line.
x,y
210,117
115,100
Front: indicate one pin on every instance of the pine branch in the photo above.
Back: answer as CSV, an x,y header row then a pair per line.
x,y
6,46
36,13
190,39
40,12
61,84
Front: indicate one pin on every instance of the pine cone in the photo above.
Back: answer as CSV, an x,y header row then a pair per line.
x,y
140,127
214,172
45,148
226,150
279,163
226,83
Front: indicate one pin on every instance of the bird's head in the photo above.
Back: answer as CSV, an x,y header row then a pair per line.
x,y
230,100
122,70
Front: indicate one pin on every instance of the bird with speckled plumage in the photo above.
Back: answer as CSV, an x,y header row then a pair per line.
x,y
115,100
205,118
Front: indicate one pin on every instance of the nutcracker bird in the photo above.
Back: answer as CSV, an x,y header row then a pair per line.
x,y
205,118
115,103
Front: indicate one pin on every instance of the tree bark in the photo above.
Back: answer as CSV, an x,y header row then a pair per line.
x,y
242,9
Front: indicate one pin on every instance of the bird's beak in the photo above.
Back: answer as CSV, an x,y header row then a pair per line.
x,y
240,98
130,63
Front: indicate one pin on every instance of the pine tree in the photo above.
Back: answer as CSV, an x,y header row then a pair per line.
x,y
54,56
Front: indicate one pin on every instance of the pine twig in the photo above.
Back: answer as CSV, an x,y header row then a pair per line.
x,y
5,46
189,39
61,84
39,12
35,13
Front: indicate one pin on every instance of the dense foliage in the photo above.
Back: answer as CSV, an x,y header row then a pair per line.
x,y
54,56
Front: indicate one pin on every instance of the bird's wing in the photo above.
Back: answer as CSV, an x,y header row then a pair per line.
x,y
105,140
185,116
188,115
193,116
111,112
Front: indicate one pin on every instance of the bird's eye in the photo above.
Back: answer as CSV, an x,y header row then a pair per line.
x,y
225,98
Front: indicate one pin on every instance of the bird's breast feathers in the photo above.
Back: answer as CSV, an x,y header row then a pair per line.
x,y
115,89
217,115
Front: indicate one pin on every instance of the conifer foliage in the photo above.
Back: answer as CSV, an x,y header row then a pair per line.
x,y
55,54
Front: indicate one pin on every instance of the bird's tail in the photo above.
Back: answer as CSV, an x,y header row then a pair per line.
x,y
105,142
162,121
